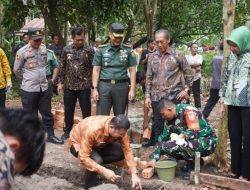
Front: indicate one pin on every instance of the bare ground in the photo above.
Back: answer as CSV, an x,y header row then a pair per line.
x,y
61,171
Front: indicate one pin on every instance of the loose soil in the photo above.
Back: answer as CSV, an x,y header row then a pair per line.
x,y
61,171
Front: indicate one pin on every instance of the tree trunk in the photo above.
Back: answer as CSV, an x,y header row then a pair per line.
x,y
50,16
228,22
131,22
159,24
149,8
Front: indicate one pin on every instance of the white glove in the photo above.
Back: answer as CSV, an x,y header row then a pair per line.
x,y
179,139
174,136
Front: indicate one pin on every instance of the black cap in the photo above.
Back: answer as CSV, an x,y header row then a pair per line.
x,y
117,29
35,33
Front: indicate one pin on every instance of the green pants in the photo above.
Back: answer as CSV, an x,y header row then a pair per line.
x,y
115,95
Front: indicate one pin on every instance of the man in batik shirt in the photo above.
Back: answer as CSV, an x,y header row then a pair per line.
x,y
185,133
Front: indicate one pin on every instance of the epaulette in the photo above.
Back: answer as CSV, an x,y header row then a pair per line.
x,y
128,46
102,46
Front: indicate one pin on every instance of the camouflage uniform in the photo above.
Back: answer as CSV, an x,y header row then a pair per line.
x,y
7,167
202,140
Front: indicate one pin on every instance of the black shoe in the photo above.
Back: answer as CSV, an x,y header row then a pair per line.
x,y
148,143
65,136
53,139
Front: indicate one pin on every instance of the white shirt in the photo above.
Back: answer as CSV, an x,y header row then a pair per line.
x,y
195,59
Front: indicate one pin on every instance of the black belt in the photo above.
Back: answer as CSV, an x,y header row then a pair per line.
x,y
114,81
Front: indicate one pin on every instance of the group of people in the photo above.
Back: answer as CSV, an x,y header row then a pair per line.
x,y
108,74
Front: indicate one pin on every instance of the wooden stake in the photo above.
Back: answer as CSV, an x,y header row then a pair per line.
x,y
220,181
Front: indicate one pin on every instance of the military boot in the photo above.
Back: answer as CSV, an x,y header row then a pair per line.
x,y
52,138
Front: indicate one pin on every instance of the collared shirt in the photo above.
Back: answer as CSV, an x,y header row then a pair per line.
x,y
57,49
5,71
52,62
114,61
195,59
92,133
7,164
188,121
76,69
167,74
30,68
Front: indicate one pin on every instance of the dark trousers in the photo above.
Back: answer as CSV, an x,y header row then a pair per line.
x,y
158,123
111,153
39,101
211,102
2,98
196,89
70,98
239,133
115,95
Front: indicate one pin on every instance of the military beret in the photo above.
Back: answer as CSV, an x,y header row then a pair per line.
x,y
35,33
117,29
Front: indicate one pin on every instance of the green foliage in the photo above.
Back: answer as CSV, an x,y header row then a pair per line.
x,y
139,96
193,17
206,67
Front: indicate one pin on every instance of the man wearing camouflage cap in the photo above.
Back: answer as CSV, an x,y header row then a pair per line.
x,y
110,77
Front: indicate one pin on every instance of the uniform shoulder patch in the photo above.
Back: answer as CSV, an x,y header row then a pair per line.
x,y
102,46
192,120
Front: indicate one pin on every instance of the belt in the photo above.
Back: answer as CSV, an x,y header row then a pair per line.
x,y
114,81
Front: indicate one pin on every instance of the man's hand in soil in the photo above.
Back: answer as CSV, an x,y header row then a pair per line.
x,y
136,182
110,175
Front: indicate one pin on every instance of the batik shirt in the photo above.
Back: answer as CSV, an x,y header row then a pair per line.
x,y
76,67
190,122
167,75
7,164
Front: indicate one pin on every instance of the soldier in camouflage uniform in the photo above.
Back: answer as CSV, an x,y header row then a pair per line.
x,y
75,78
185,133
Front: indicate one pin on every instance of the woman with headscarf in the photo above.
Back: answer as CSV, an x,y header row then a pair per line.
x,y
235,93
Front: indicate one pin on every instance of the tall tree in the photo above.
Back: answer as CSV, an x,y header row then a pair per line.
x,y
150,7
228,24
